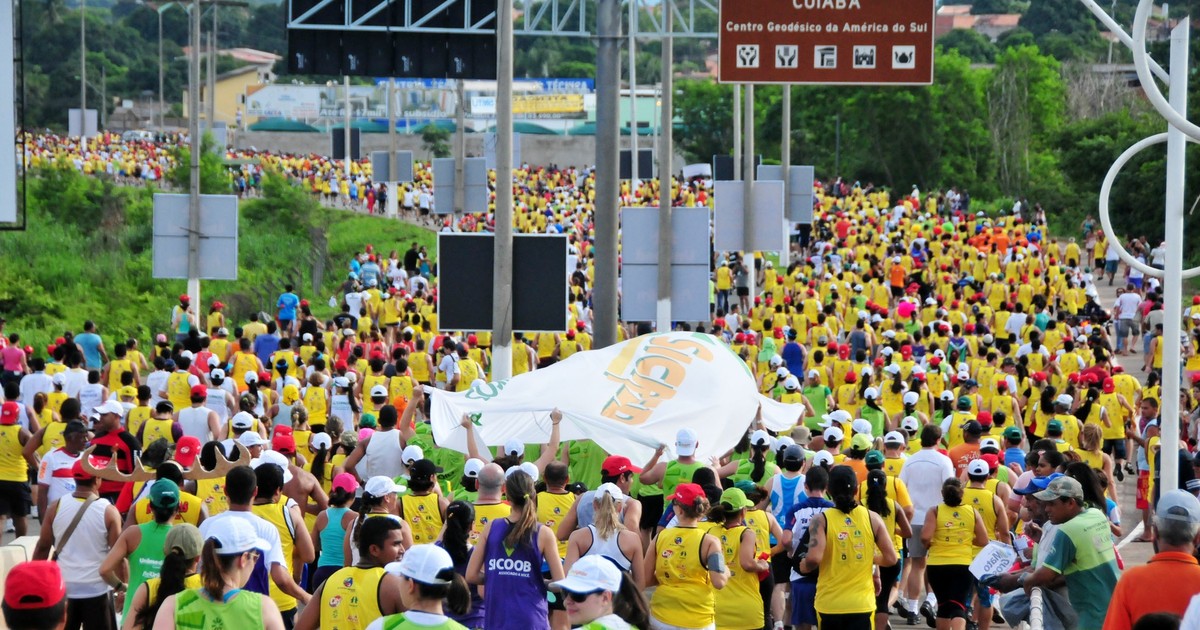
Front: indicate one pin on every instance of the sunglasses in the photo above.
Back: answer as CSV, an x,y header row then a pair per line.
x,y
579,598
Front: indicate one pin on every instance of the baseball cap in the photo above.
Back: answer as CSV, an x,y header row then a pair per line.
x,y
833,434
989,442
129,391
242,420
860,442
291,394
79,474
472,467
251,439
1054,426
186,538
164,494
186,450
9,412
611,490
911,398
862,425
424,469
1179,505
1063,487
529,468
1012,433
984,418
379,391
1064,399
685,442
380,486
344,482
978,468
110,406
687,493
760,438
617,465
368,420
513,446
427,564
38,584
793,453
910,423
964,402
250,377
284,443
973,427
411,454
320,441
199,390
1037,483
895,437
341,381
274,458
590,574
871,393
992,460
232,536
874,458
736,499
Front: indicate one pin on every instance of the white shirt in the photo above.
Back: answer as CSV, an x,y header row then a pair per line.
x,y
81,557
264,528
157,382
34,384
55,472
73,381
449,367
1191,618
194,422
1127,305
924,473
1015,323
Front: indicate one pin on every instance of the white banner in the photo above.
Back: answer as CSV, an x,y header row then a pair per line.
x,y
628,398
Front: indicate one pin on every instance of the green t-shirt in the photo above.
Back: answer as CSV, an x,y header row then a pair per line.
x,y
194,611
146,561
607,622
816,397
399,622
1082,552
745,467
586,459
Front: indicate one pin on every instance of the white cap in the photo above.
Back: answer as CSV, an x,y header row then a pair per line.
x,y
890,334
217,374
917,369
472,467
876,318
611,490
989,443
321,440
867,370
782,443
834,434
988,339
781,372
352,377
379,391
977,467
775,361
341,381
911,398
427,564
242,420
529,468
823,458
110,406
760,438
1063,399
380,486
250,377
895,437
590,574
864,315
213,361
513,446
814,374
187,354
251,438
791,382
411,453
946,395
930,301
910,423
273,458
858,288
896,259
58,379
892,368
232,536
862,425
871,393
307,337
685,442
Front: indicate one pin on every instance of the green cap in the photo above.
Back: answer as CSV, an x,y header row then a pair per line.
x,y
860,442
164,494
367,420
874,458
735,499
964,402
745,485
186,538
1012,433
1054,426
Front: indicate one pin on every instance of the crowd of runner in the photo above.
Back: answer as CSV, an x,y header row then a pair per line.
x,y
956,392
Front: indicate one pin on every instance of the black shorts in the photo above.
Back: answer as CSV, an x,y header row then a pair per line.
x,y
15,498
92,613
743,291
897,292
854,621
952,585
887,580
781,568
652,509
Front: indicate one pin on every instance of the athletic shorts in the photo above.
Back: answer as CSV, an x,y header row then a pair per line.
x,y
15,498
804,593
652,509
658,625
781,568
743,291
952,585
1110,267
887,581
854,621
916,549
1143,490
1115,448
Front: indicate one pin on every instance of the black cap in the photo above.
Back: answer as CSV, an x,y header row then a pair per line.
x,y
423,469
973,427
74,426
793,452
164,406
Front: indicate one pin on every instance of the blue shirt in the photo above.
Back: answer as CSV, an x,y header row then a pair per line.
x,y
90,343
1015,455
264,347
793,356
287,305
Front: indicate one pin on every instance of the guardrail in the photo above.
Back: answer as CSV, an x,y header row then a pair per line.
x,y
1035,609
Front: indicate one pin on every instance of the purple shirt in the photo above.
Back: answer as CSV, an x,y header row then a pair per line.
x,y
515,595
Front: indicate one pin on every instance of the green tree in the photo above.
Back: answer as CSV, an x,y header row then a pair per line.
x,y
214,177
987,7
1025,106
705,109
970,44
1015,38
436,140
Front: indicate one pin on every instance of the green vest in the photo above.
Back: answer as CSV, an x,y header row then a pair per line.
x,y
678,473
146,561
194,611
398,622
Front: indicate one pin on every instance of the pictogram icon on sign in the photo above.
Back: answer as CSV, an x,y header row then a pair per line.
x,y
864,56
787,56
904,57
825,57
747,56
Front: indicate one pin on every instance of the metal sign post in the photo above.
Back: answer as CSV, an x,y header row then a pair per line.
x,y
1178,134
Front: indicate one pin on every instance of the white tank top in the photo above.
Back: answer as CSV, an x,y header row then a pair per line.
x,y
80,558
610,549
90,397
194,422
216,402
339,407
383,456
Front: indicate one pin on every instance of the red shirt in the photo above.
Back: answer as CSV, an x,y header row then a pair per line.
x,y
1165,584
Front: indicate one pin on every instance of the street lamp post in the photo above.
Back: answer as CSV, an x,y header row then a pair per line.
x,y
83,67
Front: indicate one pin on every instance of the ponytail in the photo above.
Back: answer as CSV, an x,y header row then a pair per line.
x,y
174,570
460,518
759,459
318,464
629,603
368,502
455,593
212,570
877,497
519,490
606,520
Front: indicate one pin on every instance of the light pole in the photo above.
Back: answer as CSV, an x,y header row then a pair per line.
x,y
83,67
160,9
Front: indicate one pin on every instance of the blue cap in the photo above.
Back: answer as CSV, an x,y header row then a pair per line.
x,y
1037,484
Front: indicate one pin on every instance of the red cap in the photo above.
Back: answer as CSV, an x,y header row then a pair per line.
x,y
264,378
739,338
1196,299
282,430
1118,369
28,350
340,365
217,304
616,465
303,302
1109,385
9,412
1039,376
579,326
992,460
185,298
199,390
778,332
472,339
79,474
687,493
851,377
844,351
935,361
186,450
58,341
285,444
984,417
570,334
1073,377
34,585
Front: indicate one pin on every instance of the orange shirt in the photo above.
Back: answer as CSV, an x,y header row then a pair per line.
x,y
1165,584
962,455
896,275
859,466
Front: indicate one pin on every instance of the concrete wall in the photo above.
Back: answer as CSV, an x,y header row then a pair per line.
x,y
534,149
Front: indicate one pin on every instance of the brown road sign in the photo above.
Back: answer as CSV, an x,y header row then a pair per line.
x,y
851,42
